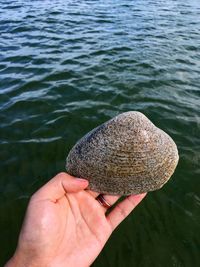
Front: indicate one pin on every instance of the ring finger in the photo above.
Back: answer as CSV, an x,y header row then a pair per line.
x,y
110,199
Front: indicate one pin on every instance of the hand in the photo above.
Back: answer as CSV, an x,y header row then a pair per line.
x,y
66,226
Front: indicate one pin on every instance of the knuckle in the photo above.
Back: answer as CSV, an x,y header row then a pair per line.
x,y
122,212
132,202
34,197
61,175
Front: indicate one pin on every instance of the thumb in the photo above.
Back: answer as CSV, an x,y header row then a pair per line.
x,y
58,186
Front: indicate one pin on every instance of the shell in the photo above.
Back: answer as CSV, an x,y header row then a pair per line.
x,y
126,155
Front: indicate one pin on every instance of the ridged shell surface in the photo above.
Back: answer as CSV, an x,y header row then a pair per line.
x,y
126,155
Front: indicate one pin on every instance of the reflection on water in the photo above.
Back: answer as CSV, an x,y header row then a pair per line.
x,y
66,67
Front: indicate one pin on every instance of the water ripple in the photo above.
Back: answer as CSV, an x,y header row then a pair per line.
x,y
67,66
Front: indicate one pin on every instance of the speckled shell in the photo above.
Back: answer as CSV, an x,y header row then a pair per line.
x,y
126,155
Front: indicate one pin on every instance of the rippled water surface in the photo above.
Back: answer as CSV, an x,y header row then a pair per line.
x,y
66,67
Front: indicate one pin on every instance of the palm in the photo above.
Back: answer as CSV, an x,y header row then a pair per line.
x,y
74,229
66,226
85,229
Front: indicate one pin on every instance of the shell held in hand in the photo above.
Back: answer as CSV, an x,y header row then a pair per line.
x,y
126,155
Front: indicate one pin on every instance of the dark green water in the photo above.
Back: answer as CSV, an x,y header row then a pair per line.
x,y
66,67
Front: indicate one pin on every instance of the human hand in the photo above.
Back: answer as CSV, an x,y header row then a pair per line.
x,y
66,226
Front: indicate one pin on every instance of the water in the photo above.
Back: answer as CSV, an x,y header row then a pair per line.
x,y
66,67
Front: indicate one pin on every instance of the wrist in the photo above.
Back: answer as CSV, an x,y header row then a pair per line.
x,y
18,261
13,262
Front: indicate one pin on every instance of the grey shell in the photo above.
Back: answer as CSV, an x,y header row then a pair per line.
x,y
126,155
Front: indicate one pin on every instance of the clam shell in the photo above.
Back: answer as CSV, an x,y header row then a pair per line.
x,y
126,155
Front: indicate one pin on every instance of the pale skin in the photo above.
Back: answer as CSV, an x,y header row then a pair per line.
x,y
66,226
